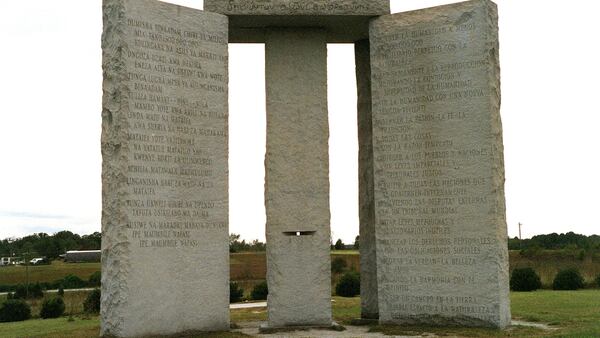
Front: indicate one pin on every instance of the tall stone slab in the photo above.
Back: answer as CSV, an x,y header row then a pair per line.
x,y
297,179
165,260
366,186
439,172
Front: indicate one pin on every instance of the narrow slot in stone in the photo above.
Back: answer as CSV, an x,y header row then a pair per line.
x,y
299,233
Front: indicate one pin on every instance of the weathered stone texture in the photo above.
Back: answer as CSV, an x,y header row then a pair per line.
x,y
439,171
298,7
165,259
297,179
342,20
366,199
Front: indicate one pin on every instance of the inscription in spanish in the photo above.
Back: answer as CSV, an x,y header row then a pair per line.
x,y
439,199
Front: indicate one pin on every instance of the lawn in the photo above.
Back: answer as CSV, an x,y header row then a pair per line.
x,y
47,273
73,302
568,313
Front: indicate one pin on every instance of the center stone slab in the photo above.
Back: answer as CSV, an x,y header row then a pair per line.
x,y
297,179
342,20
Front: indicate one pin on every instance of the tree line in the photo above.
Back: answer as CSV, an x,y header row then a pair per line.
x,y
555,241
50,246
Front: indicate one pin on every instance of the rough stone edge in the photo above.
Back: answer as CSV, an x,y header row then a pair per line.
x,y
490,12
271,271
219,6
115,245
419,16
498,172
366,199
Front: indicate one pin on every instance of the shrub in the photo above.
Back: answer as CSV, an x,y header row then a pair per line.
x,y
598,281
73,282
339,245
20,292
61,291
14,310
10,296
338,265
525,279
236,293
92,302
52,308
95,279
260,291
569,279
349,285
36,291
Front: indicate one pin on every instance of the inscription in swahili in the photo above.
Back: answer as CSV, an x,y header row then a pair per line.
x,y
168,131
434,158
165,177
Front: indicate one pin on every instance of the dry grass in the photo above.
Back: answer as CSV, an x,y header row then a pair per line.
x,y
47,273
250,268
548,262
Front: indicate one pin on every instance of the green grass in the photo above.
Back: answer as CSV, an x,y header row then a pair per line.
x,y
80,327
47,273
576,313
344,252
73,302
60,327
569,313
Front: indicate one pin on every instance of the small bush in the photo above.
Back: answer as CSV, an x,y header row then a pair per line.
x,y
349,285
598,281
73,282
61,291
260,291
236,293
338,265
14,310
20,292
569,279
10,296
36,291
95,279
52,308
525,279
92,302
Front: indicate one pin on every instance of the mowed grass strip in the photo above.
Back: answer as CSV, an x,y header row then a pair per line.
x,y
575,313
12,275
569,314
60,327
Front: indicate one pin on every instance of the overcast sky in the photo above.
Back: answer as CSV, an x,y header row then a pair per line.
x,y
50,103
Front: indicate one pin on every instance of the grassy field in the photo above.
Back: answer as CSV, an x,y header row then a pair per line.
x,y
47,273
548,262
73,302
251,267
569,314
